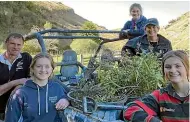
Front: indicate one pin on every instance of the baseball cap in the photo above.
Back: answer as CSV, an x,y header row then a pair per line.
x,y
152,21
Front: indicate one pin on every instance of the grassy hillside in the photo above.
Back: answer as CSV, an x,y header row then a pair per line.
x,y
20,17
177,31
23,16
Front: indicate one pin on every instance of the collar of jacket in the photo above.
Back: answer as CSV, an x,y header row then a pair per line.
x,y
5,61
161,40
140,19
170,90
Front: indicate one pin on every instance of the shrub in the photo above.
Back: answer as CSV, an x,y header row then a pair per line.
x,y
31,46
82,46
88,25
133,77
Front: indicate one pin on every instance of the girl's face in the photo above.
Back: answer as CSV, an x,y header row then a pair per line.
x,y
135,13
174,70
42,69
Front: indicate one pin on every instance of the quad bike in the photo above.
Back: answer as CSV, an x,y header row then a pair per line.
x,y
84,109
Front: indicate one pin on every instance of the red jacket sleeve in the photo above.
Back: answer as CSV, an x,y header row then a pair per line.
x,y
143,111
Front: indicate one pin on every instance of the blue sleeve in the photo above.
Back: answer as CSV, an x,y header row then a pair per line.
x,y
14,108
126,26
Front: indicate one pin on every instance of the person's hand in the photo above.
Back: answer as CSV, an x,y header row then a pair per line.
x,y
124,34
61,104
21,81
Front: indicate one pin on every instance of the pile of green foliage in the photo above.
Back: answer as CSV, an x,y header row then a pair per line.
x,y
132,77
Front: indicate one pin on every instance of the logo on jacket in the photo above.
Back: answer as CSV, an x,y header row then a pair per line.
x,y
163,109
19,65
53,99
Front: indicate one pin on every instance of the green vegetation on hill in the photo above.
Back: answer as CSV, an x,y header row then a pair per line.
x,y
21,16
177,31
26,16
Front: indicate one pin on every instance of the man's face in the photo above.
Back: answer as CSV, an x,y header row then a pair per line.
x,y
152,30
14,46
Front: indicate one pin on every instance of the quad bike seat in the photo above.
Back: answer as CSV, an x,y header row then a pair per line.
x,y
69,71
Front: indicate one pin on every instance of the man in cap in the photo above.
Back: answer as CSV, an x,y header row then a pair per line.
x,y
150,42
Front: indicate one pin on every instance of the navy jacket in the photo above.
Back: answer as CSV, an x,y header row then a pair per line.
x,y
136,29
141,45
35,103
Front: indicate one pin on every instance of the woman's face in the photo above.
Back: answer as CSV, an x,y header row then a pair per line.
x,y
135,13
42,69
174,70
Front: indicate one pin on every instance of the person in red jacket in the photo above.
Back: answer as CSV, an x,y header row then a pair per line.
x,y
169,104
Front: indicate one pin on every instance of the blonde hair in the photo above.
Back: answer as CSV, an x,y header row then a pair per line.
x,y
42,55
182,55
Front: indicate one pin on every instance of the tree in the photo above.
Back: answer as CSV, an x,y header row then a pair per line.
x,y
82,46
88,25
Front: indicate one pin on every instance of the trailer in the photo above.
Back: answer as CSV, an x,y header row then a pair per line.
x,y
84,109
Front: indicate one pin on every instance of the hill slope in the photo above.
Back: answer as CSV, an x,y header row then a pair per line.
x,y
20,17
177,31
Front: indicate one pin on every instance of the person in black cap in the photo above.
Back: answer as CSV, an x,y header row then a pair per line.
x,y
150,42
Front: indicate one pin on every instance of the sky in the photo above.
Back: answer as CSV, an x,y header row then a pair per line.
x,y
114,14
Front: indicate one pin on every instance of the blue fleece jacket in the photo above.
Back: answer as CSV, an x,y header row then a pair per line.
x,y
136,28
35,103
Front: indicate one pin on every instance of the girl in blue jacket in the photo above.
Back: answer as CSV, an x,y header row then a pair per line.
x,y
39,99
134,27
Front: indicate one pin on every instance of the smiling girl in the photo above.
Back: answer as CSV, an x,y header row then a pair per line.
x,y
169,104
134,27
39,99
